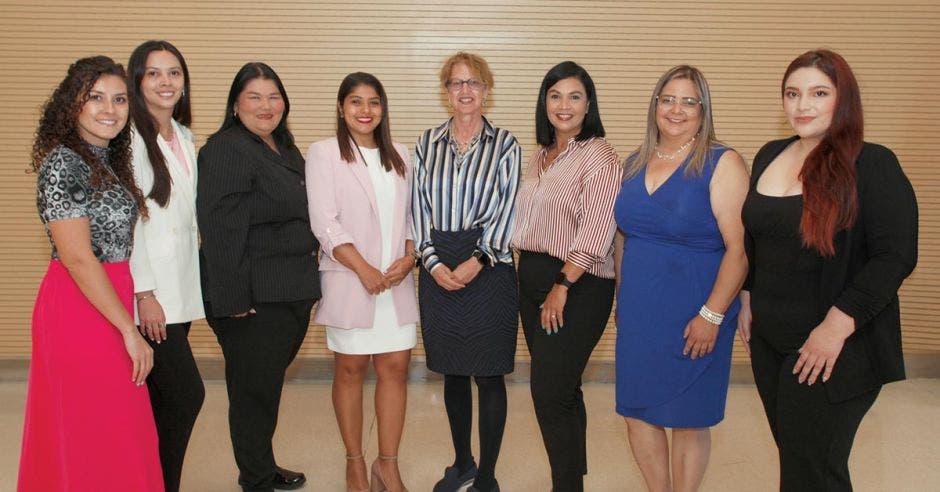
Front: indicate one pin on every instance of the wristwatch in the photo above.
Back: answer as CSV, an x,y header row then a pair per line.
x,y
562,279
481,257
417,256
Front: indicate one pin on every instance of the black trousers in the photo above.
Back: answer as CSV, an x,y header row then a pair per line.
x,y
558,361
176,395
257,350
814,437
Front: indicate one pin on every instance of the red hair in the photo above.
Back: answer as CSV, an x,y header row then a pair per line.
x,y
830,197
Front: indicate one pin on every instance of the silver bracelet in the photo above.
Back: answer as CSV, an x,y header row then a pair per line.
x,y
148,296
711,316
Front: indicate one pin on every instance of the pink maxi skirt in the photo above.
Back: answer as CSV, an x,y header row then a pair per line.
x,y
88,427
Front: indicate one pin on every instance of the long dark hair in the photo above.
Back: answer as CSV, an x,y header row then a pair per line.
x,y
250,71
592,126
144,122
830,197
382,133
58,125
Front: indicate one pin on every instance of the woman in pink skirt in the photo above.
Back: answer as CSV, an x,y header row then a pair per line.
x,y
89,426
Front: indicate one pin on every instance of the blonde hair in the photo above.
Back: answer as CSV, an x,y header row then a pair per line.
x,y
474,62
704,139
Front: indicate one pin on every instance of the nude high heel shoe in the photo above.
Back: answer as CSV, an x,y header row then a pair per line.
x,y
378,483
356,458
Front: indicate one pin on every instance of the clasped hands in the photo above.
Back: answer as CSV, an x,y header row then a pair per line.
x,y
375,282
457,278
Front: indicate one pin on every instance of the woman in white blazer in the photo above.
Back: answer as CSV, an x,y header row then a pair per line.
x,y
164,262
358,188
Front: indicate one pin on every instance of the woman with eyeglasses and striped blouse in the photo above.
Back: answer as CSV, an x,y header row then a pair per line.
x,y
466,174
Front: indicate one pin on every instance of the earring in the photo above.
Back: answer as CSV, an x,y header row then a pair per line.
x,y
183,92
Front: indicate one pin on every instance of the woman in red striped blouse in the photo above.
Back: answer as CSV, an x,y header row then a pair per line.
x,y
564,235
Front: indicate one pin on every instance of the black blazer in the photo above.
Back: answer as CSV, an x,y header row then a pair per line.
x,y
872,259
257,245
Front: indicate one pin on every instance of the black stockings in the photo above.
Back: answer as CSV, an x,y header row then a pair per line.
x,y
492,421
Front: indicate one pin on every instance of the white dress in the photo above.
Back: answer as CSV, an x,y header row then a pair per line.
x,y
386,335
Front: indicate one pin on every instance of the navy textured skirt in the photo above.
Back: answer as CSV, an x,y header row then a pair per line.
x,y
471,331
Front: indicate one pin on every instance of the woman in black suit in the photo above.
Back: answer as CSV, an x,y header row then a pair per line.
x,y
260,277
831,232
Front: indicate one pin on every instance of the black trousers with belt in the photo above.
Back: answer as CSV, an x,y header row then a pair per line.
x,y
257,350
558,361
176,395
814,436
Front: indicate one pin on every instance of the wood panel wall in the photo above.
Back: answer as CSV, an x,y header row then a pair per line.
x,y
742,47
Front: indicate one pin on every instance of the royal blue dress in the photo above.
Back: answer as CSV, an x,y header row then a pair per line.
x,y
671,255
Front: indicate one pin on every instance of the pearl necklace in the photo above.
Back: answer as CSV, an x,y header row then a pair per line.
x,y
675,154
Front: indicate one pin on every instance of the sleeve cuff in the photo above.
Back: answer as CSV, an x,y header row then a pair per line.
x,y
333,239
142,284
430,261
141,271
228,303
848,307
486,250
582,260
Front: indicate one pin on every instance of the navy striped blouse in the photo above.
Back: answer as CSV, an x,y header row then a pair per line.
x,y
478,191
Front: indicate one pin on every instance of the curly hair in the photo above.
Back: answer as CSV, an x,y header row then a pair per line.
x,y
58,125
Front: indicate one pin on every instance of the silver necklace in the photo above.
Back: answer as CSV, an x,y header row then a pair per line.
x,y
669,157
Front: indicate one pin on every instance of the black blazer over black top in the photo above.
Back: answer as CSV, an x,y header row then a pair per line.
x,y
872,258
257,245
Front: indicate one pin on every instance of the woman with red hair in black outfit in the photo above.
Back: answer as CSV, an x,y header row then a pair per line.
x,y
831,232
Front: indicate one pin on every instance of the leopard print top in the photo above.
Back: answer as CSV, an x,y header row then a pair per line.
x,y
64,191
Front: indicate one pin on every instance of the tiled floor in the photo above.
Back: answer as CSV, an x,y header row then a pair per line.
x,y
896,448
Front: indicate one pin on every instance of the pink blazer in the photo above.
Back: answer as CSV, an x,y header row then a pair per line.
x,y
343,210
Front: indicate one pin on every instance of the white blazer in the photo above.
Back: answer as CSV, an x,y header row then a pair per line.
x,y
165,257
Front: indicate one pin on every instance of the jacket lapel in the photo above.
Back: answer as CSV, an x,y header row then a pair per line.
x,y
402,203
183,182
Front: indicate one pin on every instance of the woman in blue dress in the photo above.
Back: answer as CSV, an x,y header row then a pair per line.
x,y
682,263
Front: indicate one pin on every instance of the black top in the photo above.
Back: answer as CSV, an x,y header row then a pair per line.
x,y
785,286
64,191
257,244
872,258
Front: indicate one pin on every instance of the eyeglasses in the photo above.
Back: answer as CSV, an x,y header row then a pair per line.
x,y
455,85
686,103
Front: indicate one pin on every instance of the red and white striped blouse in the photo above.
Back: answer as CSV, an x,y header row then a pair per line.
x,y
567,210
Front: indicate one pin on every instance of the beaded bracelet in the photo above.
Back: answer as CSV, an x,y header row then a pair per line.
x,y
711,316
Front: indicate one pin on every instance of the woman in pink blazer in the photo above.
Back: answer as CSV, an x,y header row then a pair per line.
x,y
359,190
